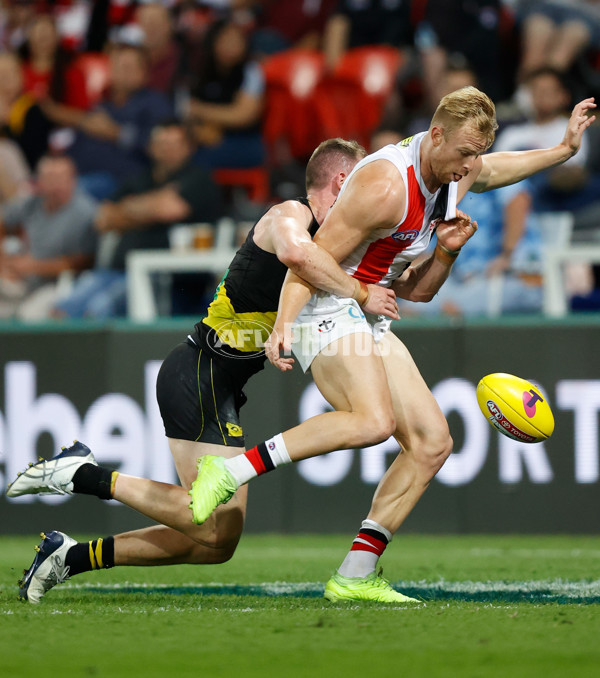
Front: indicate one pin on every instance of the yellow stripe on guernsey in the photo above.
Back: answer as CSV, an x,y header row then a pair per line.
x,y
246,332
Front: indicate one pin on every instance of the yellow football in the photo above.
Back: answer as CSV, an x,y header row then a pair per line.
x,y
516,407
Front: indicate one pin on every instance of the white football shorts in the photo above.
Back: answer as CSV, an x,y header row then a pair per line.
x,y
327,318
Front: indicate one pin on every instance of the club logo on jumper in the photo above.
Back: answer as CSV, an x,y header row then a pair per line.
x,y
271,446
233,430
405,236
502,424
326,325
530,398
240,339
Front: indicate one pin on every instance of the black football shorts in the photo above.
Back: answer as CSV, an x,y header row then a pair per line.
x,y
200,396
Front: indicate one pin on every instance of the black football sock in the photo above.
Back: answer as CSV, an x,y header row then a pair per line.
x,y
95,480
97,554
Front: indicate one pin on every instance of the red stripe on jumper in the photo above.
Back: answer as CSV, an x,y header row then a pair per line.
x,y
380,254
253,456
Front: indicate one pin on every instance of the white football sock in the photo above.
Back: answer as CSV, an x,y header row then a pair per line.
x,y
360,563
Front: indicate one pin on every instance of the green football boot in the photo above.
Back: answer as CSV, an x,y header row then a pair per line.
x,y
214,485
372,587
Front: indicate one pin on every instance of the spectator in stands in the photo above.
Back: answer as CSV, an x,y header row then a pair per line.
x,y
57,236
21,118
291,24
500,269
355,23
569,186
163,51
47,69
172,191
17,16
555,33
398,120
105,16
471,29
111,140
15,176
383,136
227,101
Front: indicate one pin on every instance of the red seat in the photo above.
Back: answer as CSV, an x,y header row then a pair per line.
x,y
297,110
94,67
361,84
254,179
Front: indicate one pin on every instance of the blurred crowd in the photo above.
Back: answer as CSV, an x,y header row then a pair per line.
x,y
122,119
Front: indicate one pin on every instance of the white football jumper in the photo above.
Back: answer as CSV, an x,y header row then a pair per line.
x,y
380,258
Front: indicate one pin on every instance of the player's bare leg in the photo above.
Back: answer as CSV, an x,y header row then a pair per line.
x,y
178,539
364,417
363,407
422,432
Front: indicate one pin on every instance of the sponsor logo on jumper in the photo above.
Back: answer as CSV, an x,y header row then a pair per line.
x,y
271,446
502,424
353,313
405,236
530,398
326,325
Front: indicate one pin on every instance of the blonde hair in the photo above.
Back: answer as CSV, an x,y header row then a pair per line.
x,y
330,157
467,106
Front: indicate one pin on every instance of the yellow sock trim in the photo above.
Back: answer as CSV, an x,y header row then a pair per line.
x,y
113,480
92,557
98,554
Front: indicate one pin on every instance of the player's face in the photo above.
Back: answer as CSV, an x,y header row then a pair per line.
x,y
456,153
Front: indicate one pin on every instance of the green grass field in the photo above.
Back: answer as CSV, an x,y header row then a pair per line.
x,y
494,606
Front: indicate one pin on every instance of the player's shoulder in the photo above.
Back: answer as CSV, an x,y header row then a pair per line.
x,y
378,181
281,221
289,213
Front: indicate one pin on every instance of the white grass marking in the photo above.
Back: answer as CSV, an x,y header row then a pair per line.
x,y
535,553
553,587
536,591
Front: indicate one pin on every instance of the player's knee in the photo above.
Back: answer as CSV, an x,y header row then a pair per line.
x,y
220,554
214,549
435,451
386,426
375,429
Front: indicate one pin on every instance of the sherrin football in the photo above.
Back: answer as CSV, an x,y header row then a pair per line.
x,y
516,407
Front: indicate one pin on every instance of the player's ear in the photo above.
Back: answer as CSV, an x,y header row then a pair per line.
x,y
340,178
437,135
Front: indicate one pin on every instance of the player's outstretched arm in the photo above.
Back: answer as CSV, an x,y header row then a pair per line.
x,y
505,168
422,281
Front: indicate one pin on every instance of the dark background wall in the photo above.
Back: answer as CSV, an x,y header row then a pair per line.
x,y
97,384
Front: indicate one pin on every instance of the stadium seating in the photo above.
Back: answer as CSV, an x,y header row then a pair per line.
x,y
360,85
254,179
298,111
306,105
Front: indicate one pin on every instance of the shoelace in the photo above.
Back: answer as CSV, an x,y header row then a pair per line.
x,y
57,490
381,582
57,575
